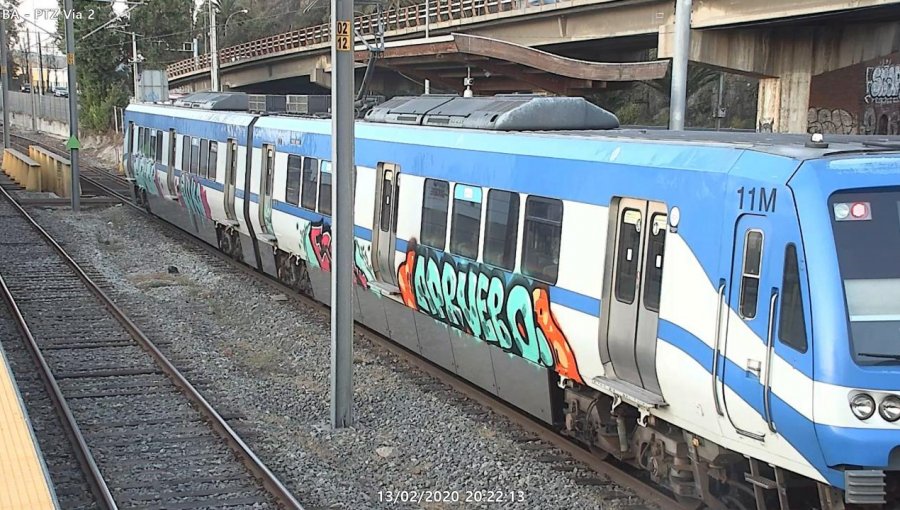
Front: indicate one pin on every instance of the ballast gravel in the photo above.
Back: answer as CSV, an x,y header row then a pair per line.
x,y
267,359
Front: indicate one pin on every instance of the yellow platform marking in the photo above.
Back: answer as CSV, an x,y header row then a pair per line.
x,y
24,483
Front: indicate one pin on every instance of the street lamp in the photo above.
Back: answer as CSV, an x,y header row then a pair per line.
x,y
225,27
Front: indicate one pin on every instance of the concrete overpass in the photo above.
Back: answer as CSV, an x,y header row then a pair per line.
x,y
791,45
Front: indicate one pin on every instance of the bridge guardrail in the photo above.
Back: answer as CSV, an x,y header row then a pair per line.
x,y
411,16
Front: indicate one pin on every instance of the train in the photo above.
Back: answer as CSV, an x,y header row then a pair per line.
x,y
721,310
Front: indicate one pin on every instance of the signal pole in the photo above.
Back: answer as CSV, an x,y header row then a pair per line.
x,y
134,68
678,99
342,133
4,69
213,49
73,145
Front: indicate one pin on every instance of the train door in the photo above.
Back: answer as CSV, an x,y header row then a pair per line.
x,y
130,150
267,175
231,158
170,169
748,338
384,233
635,252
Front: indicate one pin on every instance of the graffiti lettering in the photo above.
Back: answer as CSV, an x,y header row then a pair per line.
x,y
831,122
316,244
883,84
193,195
146,176
509,311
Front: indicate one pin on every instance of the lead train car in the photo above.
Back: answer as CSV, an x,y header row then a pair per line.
x,y
721,311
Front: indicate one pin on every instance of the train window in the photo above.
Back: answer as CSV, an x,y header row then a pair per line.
x,y
502,229
195,155
292,195
325,189
159,146
204,157
465,230
630,227
792,326
270,172
435,204
185,153
213,159
753,247
387,191
310,183
152,145
146,140
656,244
541,238
140,138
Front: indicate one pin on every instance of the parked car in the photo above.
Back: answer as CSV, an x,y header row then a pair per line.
x,y
26,87
61,92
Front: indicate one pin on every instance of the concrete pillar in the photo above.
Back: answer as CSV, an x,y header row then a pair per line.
x,y
784,100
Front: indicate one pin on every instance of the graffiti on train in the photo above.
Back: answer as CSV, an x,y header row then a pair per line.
x,y
146,176
316,239
193,195
510,311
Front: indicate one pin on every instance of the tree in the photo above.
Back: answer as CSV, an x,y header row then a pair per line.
x,y
100,58
12,37
162,28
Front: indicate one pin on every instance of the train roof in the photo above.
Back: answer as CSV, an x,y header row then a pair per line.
x,y
794,146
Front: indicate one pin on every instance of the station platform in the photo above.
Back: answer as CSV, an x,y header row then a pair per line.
x,y
24,481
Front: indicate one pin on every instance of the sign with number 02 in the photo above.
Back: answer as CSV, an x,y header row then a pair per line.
x,y
344,39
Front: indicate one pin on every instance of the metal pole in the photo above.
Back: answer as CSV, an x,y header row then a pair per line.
x,y
719,101
30,79
196,54
73,144
342,224
41,62
134,68
678,100
4,69
213,49
427,19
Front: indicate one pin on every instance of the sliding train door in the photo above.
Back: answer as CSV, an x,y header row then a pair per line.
x,y
231,160
384,225
634,272
267,178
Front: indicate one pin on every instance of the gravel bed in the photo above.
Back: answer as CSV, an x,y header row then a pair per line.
x,y
268,359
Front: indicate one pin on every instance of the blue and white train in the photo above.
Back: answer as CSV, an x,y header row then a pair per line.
x,y
720,310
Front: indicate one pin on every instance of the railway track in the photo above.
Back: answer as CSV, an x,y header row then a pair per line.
x,y
142,434
537,432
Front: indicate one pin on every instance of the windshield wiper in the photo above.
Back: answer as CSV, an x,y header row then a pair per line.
x,y
879,355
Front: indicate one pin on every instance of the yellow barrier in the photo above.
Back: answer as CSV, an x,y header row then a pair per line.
x,y
56,171
22,169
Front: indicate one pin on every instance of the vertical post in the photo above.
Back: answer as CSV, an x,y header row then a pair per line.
x,y
342,142
196,53
719,101
4,69
427,19
43,89
30,79
678,99
134,68
213,49
72,144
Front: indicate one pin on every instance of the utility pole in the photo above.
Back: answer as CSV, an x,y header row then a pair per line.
x,y
4,69
213,49
73,145
30,79
678,100
342,108
41,62
134,68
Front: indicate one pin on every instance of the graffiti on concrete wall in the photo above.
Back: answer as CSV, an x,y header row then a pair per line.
x,y
316,244
509,311
831,121
883,84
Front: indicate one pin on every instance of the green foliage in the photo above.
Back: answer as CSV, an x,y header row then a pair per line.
x,y
162,27
99,57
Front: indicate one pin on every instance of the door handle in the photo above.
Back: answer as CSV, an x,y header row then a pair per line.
x,y
715,365
755,366
770,346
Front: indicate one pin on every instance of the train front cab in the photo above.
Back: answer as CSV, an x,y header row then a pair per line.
x,y
849,210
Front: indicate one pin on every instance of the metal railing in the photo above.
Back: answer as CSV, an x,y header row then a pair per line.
x,y
412,16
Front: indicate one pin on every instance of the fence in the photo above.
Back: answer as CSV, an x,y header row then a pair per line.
x,y
47,107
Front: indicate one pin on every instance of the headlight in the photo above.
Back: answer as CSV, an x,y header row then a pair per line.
x,y
890,408
863,406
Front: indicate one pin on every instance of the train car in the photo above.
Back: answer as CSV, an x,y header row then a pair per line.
x,y
721,310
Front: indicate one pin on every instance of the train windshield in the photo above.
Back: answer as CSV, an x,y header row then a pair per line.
x,y
867,232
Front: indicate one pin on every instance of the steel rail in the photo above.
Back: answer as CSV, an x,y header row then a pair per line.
x,y
83,454
269,481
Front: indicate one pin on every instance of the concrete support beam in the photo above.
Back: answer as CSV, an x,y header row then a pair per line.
x,y
717,13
